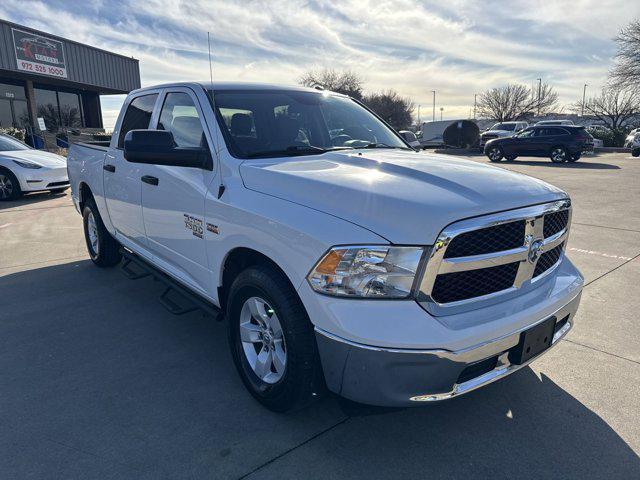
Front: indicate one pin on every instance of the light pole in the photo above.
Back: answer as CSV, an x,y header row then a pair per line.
x,y
475,102
434,105
539,89
584,92
441,109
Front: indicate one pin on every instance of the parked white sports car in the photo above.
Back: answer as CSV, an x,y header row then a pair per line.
x,y
24,169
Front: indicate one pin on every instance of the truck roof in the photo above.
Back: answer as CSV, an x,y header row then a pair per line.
x,y
220,86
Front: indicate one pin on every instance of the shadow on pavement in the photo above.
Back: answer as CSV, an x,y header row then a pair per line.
x,y
32,199
97,381
579,165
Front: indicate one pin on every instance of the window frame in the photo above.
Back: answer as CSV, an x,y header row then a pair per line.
x,y
123,113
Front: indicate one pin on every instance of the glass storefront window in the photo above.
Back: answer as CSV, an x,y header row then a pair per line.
x,y
20,113
6,118
70,111
14,92
47,108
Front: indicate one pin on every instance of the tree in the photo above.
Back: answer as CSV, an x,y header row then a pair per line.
x,y
346,82
392,107
626,73
614,107
515,102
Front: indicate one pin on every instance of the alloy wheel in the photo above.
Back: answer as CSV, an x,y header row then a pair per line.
x,y
6,187
558,155
92,231
263,340
495,154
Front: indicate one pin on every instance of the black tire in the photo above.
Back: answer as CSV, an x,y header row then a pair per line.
x,y
636,152
106,253
302,375
511,158
9,186
574,158
55,191
559,154
495,154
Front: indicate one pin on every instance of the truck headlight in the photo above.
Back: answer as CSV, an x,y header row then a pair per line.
x,y
367,271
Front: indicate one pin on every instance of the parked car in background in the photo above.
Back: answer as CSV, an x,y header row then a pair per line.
x,y
501,130
559,143
542,123
25,169
633,142
597,129
348,259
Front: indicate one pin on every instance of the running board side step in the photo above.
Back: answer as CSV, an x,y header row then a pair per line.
x,y
176,298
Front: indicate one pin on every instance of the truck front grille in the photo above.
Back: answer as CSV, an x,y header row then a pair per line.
x,y
487,240
453,287
548,260
484,256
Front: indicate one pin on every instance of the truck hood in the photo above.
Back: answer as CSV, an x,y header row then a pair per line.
x,y
405,197
44,159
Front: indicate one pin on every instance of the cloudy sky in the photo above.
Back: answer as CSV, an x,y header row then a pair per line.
x,y
455,47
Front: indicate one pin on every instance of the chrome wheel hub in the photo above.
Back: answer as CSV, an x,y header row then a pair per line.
x,y
558,155
494,154
92,232
6,186
262,340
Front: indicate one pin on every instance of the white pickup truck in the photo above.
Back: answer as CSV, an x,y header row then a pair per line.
x,y
339,256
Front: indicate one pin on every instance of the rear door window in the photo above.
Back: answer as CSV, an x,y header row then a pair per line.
x,y
137,116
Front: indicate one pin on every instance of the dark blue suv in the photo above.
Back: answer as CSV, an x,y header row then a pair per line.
x,y
560,143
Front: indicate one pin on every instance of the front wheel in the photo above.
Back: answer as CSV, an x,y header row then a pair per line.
x,y
495,154
103,249
9,186
272,340
558,155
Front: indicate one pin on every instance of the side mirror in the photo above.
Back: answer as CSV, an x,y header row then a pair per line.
x,y
410,138
157,147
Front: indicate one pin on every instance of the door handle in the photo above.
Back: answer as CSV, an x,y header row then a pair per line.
x,y
150,180
109,168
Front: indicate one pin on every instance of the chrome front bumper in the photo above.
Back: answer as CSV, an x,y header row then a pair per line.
x,y
400,377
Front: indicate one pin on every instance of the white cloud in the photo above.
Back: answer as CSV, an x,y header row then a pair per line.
x,y
455,47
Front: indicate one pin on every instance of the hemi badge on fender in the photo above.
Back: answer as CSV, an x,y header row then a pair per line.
x,y
213,228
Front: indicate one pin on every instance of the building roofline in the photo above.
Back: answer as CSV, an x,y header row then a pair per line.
x,y
63,39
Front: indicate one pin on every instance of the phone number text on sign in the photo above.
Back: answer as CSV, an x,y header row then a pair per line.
x,y
43,69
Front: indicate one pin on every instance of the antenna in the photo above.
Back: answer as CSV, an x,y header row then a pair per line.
x,y
210,64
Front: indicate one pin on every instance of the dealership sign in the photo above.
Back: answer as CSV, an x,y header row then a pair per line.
x,y
38,54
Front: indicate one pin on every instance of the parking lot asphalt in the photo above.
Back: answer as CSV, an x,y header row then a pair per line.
x,y
97,380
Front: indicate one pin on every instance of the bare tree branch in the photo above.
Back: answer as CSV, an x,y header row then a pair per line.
x,y
516,102
347,82
626,73
614,106
394,109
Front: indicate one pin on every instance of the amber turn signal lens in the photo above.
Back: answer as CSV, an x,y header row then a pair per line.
x,y
329,263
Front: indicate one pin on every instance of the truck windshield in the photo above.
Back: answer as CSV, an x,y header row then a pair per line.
x,y
271,123
9,144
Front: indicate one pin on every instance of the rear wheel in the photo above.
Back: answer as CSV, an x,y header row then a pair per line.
x,y
272,339
495,154
9,186
103,249
559,155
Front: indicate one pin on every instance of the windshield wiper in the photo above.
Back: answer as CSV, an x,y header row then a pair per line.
x,y
295,150
382,145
